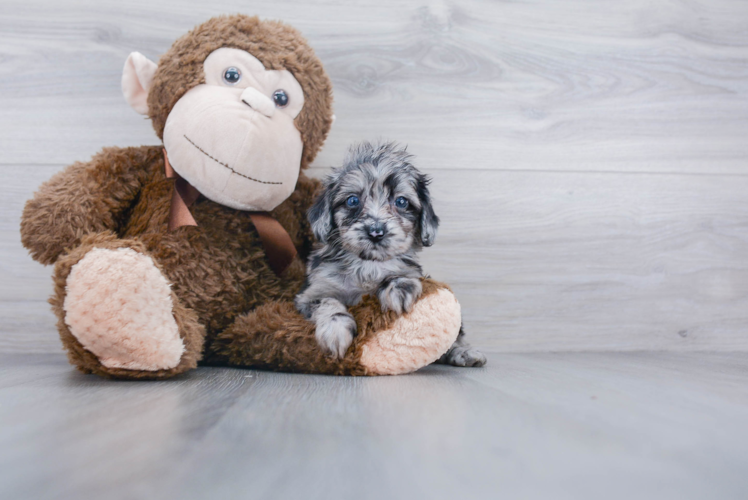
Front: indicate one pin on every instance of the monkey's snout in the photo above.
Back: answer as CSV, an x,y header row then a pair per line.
x,y
258,101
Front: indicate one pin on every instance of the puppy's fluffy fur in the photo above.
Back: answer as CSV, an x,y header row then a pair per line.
x,y
371,221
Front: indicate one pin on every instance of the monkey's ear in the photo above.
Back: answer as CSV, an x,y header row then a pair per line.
x,y
429,222
320,216
136,81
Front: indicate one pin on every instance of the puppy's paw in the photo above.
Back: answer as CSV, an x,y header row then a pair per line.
x,y
335,327
399,294
464,356
335,334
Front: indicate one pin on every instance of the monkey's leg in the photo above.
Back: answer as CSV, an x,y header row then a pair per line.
x,y
276,337
117,314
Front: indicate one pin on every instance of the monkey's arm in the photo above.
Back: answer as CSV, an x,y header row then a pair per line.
x,y
84,198
276,336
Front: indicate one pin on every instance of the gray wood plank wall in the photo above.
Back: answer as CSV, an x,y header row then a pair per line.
x,y
590,159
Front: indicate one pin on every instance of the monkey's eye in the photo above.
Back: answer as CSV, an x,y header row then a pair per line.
x,y
352,201
401,202
232,75
281,98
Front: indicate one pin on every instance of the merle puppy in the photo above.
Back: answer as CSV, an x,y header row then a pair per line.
x,y
371,221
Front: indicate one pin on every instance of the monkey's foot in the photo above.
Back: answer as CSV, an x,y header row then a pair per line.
x,y
118,305
417,338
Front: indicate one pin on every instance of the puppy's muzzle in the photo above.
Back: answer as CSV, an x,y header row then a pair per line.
x,y
376,232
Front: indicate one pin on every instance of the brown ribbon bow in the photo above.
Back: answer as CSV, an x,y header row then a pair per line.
x,y
279,248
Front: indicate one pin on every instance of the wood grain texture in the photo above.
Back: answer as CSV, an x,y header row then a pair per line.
x,y
562,261
590,167
538,260
590,159
532,426
599,86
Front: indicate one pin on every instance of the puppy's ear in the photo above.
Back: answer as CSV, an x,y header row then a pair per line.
x,y
320,215
429,222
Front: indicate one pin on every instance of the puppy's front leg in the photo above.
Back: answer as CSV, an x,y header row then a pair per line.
x,y
335,325
399,294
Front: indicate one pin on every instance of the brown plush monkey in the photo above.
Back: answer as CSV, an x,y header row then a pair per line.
x,y
166,255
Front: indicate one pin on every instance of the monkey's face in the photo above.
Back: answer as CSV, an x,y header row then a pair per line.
x,y
242,105
233,137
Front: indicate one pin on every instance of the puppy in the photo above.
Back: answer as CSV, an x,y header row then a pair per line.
x,y
371,221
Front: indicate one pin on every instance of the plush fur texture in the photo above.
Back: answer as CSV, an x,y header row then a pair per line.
x,y
277,337
217,269
119,307
229,307
191,330
275,44
408,345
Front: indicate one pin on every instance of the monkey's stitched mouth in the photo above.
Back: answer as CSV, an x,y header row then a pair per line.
x,y
224,165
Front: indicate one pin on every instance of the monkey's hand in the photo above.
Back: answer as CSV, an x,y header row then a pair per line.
x,y
85,198
399,294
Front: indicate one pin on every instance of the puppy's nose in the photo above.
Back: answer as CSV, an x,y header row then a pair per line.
x,y
376,231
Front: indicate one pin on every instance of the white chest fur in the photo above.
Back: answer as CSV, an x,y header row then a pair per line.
x,y
368,275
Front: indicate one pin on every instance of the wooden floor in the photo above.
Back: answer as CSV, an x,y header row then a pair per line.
x,y
590,159
590,166
532,426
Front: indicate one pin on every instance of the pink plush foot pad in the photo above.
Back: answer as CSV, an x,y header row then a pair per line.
x,y
416,339
119,307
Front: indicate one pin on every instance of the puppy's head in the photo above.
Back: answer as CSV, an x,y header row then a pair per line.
x,y
377,205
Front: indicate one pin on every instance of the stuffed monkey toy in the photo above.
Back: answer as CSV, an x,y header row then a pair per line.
x,y
192,251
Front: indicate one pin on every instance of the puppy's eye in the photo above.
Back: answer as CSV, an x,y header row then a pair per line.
x,y
352,201
232,75
280,98
401,202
